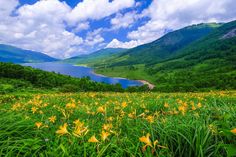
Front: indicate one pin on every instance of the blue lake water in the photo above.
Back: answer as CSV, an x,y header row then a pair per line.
x,y
80,71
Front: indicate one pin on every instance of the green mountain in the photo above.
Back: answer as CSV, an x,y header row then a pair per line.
x,y
17,55
208,62
99,56
164,47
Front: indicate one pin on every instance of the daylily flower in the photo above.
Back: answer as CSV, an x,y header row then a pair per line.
x,y
166,105
52,119
124,104
101,109
107,127
33,109
80,129
150,119
104,135
62,129
38,124
93,139
233,131
199,105
148,142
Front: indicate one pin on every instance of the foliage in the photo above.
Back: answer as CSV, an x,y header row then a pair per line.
x,y
21,77
118,124
208,63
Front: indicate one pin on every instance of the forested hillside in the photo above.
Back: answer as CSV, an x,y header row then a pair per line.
x,y
208,63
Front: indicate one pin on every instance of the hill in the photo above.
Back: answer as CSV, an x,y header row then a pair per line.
x,y
164,47
99,56
207,63
17,55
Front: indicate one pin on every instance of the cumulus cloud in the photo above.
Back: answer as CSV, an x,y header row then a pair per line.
x,y
97,9
94,37
123,20
43,26
119,44
175,14
81,26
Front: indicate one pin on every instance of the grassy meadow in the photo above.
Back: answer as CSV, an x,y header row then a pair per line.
x,y
118,124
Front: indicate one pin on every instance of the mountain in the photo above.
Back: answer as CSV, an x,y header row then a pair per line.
x,y
208,62
99,56
17,55
166,46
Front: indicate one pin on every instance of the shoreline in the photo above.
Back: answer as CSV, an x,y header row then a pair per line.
x,y
150,86
144,82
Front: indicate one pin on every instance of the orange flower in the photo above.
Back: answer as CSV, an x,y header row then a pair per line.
x,y
104,135
101,109
124,104
193,107
166,105
93,139
233,131
33,109
62,129
146,140
150,119
38,124
80,129
199,105
107,127
52,119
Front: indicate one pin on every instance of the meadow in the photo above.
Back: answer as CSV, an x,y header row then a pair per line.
x,y
118,124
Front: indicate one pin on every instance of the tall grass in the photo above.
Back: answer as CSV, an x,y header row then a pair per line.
x,y
185,124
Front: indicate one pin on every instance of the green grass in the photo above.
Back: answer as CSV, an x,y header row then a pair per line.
x,y
136,72
185,124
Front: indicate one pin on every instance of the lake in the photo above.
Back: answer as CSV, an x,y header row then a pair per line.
x,y
80,71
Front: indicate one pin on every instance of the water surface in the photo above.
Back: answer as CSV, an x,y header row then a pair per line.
x,y
80,71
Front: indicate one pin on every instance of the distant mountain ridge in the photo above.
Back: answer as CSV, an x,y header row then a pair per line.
x,y
97,56
166,46
17,55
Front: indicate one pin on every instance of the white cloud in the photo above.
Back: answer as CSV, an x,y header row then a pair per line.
x,y
40,27
6,7
81,26
175,14
118,44
94,37
97,9
123,20
43,25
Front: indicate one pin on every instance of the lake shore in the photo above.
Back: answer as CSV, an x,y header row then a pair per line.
x,y
144,82
150,86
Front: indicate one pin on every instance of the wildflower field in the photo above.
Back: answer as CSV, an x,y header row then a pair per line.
x,y
118,124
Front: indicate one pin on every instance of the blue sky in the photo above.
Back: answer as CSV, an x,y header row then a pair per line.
x,y
66,28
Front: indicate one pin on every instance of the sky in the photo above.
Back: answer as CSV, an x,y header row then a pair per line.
x,y
67,28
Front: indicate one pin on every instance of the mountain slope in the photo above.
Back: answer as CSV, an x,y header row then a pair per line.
x,y
208,63
164,47
17,55
99,56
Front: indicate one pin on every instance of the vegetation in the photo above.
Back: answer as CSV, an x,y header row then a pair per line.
x,y
16,55
20,78
116,124
206,64
162,48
